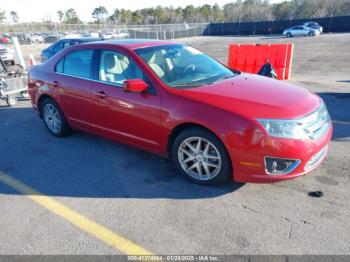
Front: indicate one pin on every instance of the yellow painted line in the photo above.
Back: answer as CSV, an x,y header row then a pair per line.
x,y
109,237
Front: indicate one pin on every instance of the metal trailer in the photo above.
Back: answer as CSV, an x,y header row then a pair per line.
x,y
13,84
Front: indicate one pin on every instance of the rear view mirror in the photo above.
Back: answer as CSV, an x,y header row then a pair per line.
x,y
135,86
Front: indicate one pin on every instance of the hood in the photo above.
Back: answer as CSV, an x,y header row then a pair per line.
x,y
255,96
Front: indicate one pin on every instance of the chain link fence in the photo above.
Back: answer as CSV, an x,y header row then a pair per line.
x,y
53,31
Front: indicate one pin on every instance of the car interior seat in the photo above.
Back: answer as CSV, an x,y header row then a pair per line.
x,y
155,61
113,68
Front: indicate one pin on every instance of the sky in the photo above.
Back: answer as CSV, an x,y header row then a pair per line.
x,y
36,10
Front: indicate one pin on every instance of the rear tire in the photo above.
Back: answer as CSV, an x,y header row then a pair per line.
x,y
207,163
53,118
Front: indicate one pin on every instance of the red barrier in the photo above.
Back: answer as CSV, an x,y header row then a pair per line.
x,y
251,57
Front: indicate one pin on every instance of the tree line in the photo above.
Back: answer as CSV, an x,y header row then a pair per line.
x,y
240,10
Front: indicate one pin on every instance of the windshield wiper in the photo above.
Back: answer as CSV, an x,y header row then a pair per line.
x,y
223,78
189,84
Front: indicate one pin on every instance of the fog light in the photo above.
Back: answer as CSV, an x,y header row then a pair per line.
x,y
280,166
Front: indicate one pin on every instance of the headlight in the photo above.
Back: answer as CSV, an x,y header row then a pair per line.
x,y
283,128
311,126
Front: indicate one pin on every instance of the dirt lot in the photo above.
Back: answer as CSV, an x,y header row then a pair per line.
x,y
140,197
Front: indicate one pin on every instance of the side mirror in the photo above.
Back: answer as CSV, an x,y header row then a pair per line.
x,y
135,86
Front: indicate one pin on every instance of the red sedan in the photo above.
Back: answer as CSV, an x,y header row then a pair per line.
x,y
174,100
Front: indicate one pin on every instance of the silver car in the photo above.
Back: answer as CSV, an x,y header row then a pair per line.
x,y
300,30
313,25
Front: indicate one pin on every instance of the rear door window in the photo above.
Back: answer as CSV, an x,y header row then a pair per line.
x,y
77,63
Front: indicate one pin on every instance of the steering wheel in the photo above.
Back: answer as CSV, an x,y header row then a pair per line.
x,y
189,69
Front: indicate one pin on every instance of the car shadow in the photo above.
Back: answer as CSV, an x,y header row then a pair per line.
x,y
83,165
338,105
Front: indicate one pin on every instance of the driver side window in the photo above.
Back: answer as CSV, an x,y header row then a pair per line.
x,y
116,68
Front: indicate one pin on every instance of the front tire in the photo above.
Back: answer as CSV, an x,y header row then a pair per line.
x,y
289,35
311,33
201,157
54,119
11,101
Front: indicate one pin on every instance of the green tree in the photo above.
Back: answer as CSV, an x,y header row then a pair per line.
x,y
71,17
341,7
99,14
179,15
14,16
283,11
189,13
206,12
60,15
114,18
232,11
160,15
2,16
217,14
148,15
136,17
125,16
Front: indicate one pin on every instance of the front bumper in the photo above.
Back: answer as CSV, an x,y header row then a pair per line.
x,y
249,166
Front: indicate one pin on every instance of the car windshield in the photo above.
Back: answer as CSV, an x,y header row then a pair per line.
x,y
182,66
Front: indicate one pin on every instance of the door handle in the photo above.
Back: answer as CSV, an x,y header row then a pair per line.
x,y
100,94
55,83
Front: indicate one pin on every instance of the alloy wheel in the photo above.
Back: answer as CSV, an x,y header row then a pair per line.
x,y
52,118
199,158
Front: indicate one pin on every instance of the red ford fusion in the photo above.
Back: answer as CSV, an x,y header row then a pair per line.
x,y
172,99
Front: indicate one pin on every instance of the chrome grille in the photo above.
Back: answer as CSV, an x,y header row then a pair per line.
x,y
317,123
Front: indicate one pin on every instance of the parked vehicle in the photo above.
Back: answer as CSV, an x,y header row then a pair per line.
x,y
62,44
49,39
120,35
300,30
313,25
172,99
37,39
107,36
5,39
7,54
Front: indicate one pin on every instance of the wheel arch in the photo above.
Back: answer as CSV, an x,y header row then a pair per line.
x,y
188,125
183,126
41,99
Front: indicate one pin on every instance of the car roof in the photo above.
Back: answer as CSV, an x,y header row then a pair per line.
x,y
134,43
